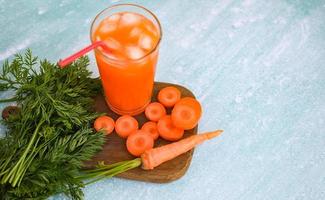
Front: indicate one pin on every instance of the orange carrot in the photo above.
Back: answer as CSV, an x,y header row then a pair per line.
x,y
154,111
167,130
151,128
138,142
153,157
186,113
125,125
168,96
105,124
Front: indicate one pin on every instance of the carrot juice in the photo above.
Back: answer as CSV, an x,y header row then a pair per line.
x,y
127,69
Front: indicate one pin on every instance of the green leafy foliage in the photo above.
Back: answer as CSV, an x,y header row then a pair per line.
x,y
48,140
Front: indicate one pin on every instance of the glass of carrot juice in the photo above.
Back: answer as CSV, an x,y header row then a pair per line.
x,y
131,34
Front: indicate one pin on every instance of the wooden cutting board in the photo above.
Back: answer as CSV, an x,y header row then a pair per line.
x,y
115,150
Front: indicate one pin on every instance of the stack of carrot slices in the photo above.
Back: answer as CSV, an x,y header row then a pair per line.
x,y
185,115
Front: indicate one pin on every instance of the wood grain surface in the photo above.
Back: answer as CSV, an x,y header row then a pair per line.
x,y
115,150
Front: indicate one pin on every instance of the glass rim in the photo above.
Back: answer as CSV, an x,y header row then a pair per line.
x,y
121,5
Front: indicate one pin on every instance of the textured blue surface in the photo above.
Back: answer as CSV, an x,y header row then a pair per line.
x,y
258,67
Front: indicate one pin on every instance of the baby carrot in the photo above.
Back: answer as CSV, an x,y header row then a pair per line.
x,y
153,157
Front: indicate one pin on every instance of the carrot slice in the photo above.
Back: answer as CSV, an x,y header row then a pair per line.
x,y
151,128
138,142
105,124
125,125
154,111
186,113
168,96
167,130
153,157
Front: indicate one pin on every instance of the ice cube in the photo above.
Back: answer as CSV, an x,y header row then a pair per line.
x,y
129,19
114,18
109,24
135,32
145,42
152,29
107,28
134,52
112,43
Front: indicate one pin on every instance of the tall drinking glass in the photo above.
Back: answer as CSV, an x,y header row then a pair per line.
x,y
132,34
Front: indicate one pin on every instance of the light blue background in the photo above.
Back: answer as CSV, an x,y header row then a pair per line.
x,y
258,67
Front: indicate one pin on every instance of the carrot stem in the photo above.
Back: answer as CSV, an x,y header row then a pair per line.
x,y
102,166
8,100
109,171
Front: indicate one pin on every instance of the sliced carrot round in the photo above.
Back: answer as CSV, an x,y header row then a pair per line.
x,y
151,128
168,96
167,130
186,113
105,124
138,142
154,111
125,125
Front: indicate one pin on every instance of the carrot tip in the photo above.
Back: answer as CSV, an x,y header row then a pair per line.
x,y
213,134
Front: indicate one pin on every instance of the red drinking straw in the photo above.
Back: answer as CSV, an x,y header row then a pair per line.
x,y
73,57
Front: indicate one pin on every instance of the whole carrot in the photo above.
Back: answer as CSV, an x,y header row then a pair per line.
x,y
156,156
149,159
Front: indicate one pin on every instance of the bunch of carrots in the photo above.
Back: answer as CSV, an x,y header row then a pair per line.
x,y
185,115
